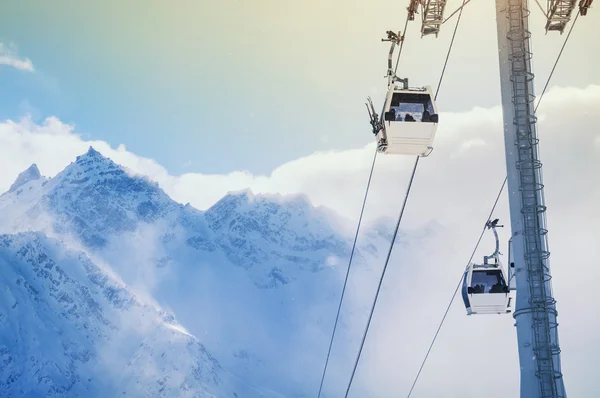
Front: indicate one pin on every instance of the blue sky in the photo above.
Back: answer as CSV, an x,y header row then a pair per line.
x,y
218,87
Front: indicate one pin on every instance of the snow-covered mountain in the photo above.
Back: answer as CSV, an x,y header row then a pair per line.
x,y
255,278
31,174
96,201
69,328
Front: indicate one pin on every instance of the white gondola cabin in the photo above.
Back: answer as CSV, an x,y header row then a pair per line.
x,y
485,289
409,121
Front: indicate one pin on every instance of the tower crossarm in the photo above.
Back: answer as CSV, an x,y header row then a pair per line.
x,y
583,6
413,8
559,14
433,17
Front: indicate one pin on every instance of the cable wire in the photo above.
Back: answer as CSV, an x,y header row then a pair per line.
x,y
503,184
347,272
557,59
356,237
542,9
382,275
454,13
456,290
403,205
401,45
449,50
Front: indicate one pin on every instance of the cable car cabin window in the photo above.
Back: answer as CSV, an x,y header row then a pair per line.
x,y
412,107
489,281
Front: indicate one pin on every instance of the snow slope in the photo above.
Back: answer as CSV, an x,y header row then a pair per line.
x,y
67,328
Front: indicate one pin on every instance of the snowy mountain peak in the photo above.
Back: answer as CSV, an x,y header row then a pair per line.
x,y
92,153
245,200
251,229
92,156
31,174
96,198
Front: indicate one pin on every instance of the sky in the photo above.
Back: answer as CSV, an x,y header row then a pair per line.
x,y
455,187
149,88
217,87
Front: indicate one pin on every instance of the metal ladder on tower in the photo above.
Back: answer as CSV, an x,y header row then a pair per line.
x,y
541,303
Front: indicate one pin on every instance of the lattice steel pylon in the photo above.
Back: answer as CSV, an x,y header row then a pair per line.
x,y
535,308
433,17
559,14
584,5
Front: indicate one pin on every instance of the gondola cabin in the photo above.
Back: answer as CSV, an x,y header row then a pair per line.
x,y
485,290
409,122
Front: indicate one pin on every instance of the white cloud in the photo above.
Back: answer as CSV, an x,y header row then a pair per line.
x,y
9,57
334,261
468,160
478,142
455,186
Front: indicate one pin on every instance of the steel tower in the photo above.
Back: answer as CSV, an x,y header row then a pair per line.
x,y
535,308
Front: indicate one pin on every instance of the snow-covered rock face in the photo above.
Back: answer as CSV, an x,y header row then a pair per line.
x,y
253,230
99,202
67,328
256,277
31,174
95,198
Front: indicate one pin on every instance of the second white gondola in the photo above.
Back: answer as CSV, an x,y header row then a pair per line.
x,y
485,288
